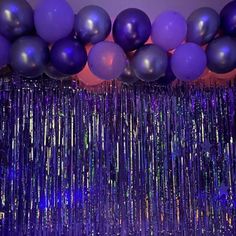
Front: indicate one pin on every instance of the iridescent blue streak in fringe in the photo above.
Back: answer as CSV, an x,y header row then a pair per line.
x,y
142,161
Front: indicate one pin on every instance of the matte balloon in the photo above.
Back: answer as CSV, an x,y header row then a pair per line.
x,y
107,60
221,55
203,24
228,19
188,62
54,19
169,30
53,73
150,62
16,18
68,56
131,29
29,55
92,24
4,51
128,76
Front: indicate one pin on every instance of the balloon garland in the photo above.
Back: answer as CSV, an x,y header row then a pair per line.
x,y
52,40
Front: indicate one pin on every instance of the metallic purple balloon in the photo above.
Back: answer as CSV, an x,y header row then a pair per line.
x,y
203,24
92,24
4,51
29,56
16,18
188,62
68,56
107,60
131,29
221,55
54,20
169,30
53,73
228,18
150,62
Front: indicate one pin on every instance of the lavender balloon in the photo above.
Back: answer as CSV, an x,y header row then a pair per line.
x,y
169,30
188,62
54,19
4,51
107,60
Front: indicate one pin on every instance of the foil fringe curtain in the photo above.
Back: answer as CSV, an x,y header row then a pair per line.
x,y
142,161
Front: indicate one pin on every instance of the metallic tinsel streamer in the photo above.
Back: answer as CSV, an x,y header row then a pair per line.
x,y
140,161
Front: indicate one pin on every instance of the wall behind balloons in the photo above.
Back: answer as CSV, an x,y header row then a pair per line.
x,y
151,7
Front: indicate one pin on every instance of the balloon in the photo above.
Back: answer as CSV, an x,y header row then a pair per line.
x,y
29,55
53,73
92,24
221,55
16,18
4,51
188,62
107,60
169,76
203,25
228,19
68,56
128,76
149,62
169,30
131,29
54,20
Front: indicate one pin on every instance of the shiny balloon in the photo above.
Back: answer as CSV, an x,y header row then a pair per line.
x,y
54,20
29,56
221,55
188,62
169,30
169,76
16,18
107,60
228,19
203,24
92,24
53,73
4,51
150,62
68,56
128,76
131,29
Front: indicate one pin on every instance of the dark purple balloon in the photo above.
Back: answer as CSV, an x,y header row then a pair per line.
x,y
228,18
128,76
131,29
54,19
188,62
29,56
16,18
221,55
68,56
4,51
107,60
149,62
92,24
203,24
53,73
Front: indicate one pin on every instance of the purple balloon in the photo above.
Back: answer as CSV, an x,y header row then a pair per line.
x,y
4,51
169,30
107,60
54,20
188,62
